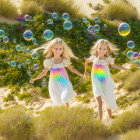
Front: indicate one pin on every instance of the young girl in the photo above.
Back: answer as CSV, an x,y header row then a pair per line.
x,y
102,83
58,56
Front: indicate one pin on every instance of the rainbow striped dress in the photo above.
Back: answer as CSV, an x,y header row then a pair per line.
x,y
102,83
60,87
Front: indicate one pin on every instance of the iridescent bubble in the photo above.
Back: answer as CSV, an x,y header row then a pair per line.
x,y
90,28
28,50
50,21
130,44
65,16
48,34
28,60
44,79
19,66
105,25
28,35
42,24
96,19
84,19
97,28
137,63
54,15
2,33
13,63
27,17
130,54
18,48
87,23
34,41
6,39
124,29
67,25
34,55
36,66
43,84
135,55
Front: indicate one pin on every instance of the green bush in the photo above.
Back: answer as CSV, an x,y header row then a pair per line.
x,y
24,96
8,9
10,97
15,124
119,10
69,123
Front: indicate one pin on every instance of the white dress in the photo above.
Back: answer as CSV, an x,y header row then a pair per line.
x,y
60,87
102,83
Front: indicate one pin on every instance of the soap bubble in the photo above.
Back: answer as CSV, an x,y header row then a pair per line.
x,y
50,21
6,39
96,19
137,63
13,63
130,54
54,15
18,48
28,35
65,16
48,34
34,55
2,33
28,60
124,29
97,28
27,17
36,66
135,55
67,25
130,44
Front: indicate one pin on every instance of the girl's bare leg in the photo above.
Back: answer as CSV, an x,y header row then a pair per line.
x,y
100,111
109,113
67,104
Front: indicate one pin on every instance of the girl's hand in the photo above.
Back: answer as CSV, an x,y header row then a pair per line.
x,y
86,74
32,81
85,58
82,75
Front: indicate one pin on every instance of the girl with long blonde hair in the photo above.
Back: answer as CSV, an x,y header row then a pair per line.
x,y
102,83
58,56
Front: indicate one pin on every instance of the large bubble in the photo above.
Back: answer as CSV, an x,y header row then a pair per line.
x,y
97,28
48,34
13,63
65,16
28,35
18,48
54,15
135,55
34,55
124,29
130,54
6,39
36,66
137,63
27,17
67,25
50,21
2,33
130,44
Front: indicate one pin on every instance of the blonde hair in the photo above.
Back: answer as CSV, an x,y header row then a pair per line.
x,y
110,47
67,52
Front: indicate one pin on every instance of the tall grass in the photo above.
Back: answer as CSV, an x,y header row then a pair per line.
x,y
15,124
119,10
133,82
54,6
128,120
132,135
69,124
8,9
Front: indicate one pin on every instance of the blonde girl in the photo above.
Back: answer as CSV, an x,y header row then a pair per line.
x,y
102,83
58,56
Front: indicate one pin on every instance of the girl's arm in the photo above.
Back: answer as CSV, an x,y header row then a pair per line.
x,y
42,74
86,64
119,67
75,71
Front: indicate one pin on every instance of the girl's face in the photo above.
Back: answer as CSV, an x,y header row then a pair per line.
x,y
102,50
57,49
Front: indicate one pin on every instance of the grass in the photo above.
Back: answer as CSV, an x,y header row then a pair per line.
x,y
84,99
132,135
128,120
15,124
10,97
49,5
69,124
134,82
119,10
8,9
